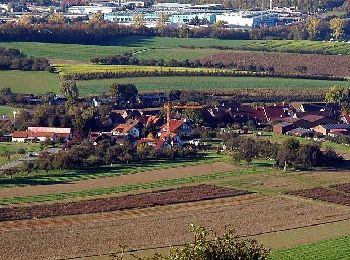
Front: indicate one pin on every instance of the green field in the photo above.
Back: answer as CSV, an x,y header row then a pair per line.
x,y
7,110
29,81
13,148
327,250
168,48
90,87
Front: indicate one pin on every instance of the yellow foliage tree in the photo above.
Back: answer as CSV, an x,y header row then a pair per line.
x,y
337,27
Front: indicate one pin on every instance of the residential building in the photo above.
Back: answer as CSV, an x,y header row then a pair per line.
x,y
328,129
131,127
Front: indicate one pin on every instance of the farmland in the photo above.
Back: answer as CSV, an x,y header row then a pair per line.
x,y
90,87
29,81
329,249
168,48
284,63
143,200
14,149
7,110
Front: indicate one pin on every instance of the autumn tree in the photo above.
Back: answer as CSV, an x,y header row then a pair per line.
x,y
96,17
340,95
26,19
161,24
337,27
56,18
69,88
139,21
313,24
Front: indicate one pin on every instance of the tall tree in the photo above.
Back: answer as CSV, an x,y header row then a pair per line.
x,y
139,21
337,27
69,89
126,92
313,24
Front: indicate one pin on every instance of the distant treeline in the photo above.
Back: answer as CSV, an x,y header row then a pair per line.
x,y
13,59
102,32
129,59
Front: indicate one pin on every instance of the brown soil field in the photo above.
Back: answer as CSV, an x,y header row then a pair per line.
x,y
345,187
137,178
159,226
324,195
143,200
285,63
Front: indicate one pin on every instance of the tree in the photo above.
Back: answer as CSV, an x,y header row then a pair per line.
x,y
161,24
96,17
126,92
287,153
337,27
313,26
184,31
56,18
69,88
340,95
25,19
139,21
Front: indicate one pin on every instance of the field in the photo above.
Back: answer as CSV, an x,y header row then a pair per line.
x,y
91,87
137,201
286,63
329,249
13,149
29,82
324,194
168,48
7,110
66,69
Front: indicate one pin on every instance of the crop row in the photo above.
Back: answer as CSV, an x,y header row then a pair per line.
x,y
284,63
324,194
143,200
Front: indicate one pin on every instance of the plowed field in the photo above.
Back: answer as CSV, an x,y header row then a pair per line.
x,y
144,200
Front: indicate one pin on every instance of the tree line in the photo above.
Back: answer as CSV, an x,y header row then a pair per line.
x,y
129,59
290,154
13,59
97,31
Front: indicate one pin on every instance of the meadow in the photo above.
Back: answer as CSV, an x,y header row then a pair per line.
x,y
329,249
168,48
7,110
35,82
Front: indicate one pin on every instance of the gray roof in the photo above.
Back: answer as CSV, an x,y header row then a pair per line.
x,y
336,126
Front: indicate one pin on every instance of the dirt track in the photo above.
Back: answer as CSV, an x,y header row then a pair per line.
x,y
160,226
138,178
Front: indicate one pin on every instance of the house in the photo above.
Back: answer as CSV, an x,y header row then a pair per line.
x,y
30,136
131,127
64,133
282,128
297,122
301,132
327,129
315,120
172,138
98,137
180,127
130,113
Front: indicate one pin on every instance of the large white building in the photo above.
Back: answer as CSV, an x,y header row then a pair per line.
x,y
248,18
91,9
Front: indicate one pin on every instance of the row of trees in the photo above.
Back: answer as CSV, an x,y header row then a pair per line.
x,y
336,25
87,155
288,154
129,59
13,59
97,31
168,72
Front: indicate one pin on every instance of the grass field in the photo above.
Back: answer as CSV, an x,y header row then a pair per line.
x,y
168,48
13,148
329,249
7,110
29,81
90,87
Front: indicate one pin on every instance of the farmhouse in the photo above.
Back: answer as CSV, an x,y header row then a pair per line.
x,y
282,128
131,127
64,133
29,136
178,126
328,129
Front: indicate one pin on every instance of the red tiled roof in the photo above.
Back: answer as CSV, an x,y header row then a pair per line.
x,y
273,113
20,134
313,118
124,128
